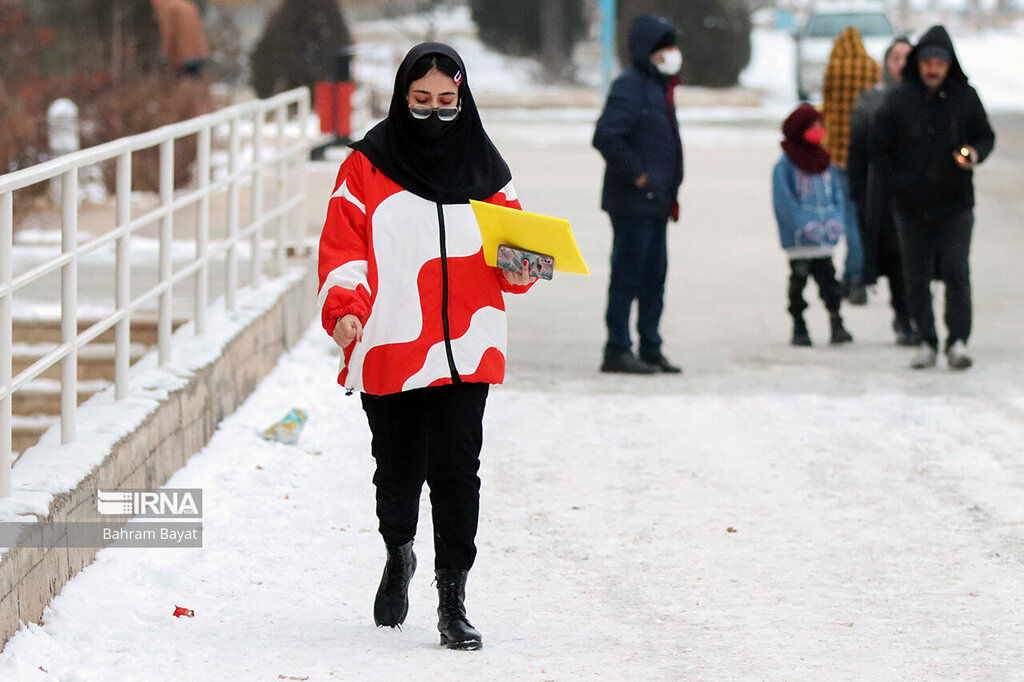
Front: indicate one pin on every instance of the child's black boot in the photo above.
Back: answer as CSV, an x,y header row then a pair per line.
x,y
839,333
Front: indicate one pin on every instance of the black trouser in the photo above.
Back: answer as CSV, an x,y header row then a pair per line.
x,y
824,274
639,264
891,265
433,435
944,243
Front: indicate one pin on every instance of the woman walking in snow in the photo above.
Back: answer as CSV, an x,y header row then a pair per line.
x,y
405,292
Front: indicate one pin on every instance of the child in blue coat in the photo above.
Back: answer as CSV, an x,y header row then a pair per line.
x,y
809,210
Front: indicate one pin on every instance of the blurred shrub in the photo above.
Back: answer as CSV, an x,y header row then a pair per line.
x,y
19,134
714,36
142,104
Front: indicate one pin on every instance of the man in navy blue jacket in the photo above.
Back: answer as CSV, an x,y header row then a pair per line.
x,y
638,136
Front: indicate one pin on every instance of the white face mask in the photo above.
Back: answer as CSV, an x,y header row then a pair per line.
x,y
673,61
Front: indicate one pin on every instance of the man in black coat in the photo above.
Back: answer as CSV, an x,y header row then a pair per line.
x,y
933,130
638,135
871,192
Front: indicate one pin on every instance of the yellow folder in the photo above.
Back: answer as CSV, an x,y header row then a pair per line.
x,y
530,231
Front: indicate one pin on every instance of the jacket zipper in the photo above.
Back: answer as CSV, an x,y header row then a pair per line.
x,y
456,379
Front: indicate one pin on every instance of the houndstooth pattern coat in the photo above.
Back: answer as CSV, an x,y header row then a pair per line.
x,y
850,71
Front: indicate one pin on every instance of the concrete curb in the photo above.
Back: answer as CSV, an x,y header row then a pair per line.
x,y
182,424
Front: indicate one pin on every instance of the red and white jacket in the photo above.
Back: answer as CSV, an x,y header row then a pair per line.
x,y
413,272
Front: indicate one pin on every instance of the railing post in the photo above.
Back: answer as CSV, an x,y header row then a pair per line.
x,y
122,284
202,281
282,187
69,305
256,200
6,339
302,155
231,266
166,238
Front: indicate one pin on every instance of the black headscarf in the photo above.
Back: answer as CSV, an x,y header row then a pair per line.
x,y
462,165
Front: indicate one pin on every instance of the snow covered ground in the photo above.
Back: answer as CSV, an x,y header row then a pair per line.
x,y
761,534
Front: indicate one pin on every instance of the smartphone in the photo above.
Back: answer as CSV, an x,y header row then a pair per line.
x,y
511,258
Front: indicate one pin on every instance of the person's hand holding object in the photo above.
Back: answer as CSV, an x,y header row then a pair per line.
x,y
521,278
347,328
966,161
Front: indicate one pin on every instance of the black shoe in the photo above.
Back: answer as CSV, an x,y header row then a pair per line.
x,y
839,333
392,602
456,631
800,335
626,363
855,293
661,363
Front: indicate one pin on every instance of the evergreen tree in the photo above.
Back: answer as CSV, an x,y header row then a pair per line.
x,y
547,29
299,46
714,36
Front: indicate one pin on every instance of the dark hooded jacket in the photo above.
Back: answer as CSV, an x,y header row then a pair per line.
x,y
918,132
638,131
871,184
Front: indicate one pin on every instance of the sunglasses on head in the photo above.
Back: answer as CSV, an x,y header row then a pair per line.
x,y
443,113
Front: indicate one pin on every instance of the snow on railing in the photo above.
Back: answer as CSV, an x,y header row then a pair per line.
x,y
282,208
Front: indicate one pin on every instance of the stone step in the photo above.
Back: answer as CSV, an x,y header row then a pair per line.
x,y
95,361
42,396
47,329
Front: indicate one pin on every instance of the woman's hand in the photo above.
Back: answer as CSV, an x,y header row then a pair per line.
x,y
521,278
347,328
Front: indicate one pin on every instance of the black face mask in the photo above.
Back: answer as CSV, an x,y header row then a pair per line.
x,y
446,162
431,128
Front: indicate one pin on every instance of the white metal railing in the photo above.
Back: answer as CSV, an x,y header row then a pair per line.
x,y
285,207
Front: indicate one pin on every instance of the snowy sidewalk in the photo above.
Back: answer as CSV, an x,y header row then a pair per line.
x,y
767,535
877,516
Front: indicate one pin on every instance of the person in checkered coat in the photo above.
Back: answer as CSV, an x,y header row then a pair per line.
x,y
850,71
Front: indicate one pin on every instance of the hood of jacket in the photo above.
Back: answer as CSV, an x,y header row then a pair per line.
x,y
936,35
849,45
646,32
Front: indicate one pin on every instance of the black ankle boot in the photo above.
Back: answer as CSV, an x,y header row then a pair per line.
x,y
800,335
839,333
456,631
392,602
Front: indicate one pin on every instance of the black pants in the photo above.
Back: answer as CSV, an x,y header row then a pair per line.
x,y
943,243
891,265
433,435
824,274
639,264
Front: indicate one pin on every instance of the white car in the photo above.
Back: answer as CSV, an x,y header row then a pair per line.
x,y
817,33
